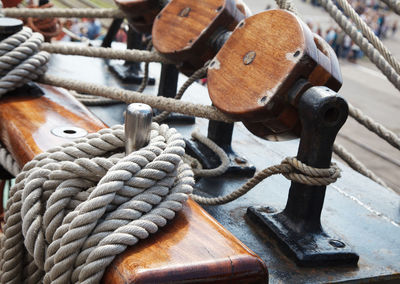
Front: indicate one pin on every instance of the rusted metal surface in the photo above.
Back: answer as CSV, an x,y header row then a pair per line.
x,y
360,212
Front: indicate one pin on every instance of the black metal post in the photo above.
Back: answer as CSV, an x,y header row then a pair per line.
x,y
298,226
168,87
129,72
112,32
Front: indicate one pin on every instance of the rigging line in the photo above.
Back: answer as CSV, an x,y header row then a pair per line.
x,y
393,4
106,53
63,13
362,42
127,96
369,34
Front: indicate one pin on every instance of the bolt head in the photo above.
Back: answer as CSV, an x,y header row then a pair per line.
x,y
249,57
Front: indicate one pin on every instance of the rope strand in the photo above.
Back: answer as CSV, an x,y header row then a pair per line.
x,y
63,13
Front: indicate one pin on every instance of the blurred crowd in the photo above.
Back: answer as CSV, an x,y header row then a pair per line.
x,y
373,12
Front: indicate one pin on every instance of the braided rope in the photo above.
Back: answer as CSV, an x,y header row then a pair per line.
x,y
86,225
356,164
370,35
63,13
198,74
7,162
291,168
221,169
393,4
375,127
106,52
287,5
20,59
362,42
168,104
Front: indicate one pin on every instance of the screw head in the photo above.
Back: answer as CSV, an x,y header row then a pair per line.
x,y
337,243
249,57
240,160
185,12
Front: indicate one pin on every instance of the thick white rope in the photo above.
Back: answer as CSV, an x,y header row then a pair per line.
x,y
362,42
393,4
370,35
162,103
355,164
375,127
7,162
63,13
20,59
69,227
106,52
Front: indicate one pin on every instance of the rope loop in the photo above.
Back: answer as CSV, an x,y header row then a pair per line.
x,y
300,172
291,168
20,59
77,206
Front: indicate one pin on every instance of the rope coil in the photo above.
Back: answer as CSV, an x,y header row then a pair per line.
x,y
72,228
20,59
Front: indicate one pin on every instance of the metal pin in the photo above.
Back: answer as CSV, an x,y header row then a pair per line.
x,y
138,118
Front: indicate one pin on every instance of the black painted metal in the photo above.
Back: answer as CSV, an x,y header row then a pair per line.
x,y
112,32
168,87
298,226
9,26
130,72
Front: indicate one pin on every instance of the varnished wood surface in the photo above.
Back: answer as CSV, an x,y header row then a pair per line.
x,y
202,237
253,72
193,248
26,121
184,28
140,13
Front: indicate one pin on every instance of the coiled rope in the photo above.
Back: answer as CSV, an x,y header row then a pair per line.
x,y
77,206
20,59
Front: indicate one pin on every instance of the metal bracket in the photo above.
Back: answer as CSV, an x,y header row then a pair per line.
x,y
129,72
298,227
168,87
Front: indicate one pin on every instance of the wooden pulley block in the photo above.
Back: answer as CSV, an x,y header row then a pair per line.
x,y
140,13
185,29
269,56
48,27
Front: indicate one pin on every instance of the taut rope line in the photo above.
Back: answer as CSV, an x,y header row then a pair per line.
x,y
63,13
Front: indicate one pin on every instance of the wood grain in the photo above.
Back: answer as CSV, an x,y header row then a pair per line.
x,y
184,29
140,13
193,248
253,72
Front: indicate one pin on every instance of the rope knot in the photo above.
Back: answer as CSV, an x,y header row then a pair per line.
x,y
20,59
297,171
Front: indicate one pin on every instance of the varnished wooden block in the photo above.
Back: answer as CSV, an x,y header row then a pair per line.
x,y
265,56
140,13
193,247
184,29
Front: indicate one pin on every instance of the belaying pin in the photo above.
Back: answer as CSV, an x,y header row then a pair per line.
x,y
138,118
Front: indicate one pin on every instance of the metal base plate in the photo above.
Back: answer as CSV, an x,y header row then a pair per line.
x,y
129,73
310,249
238,166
